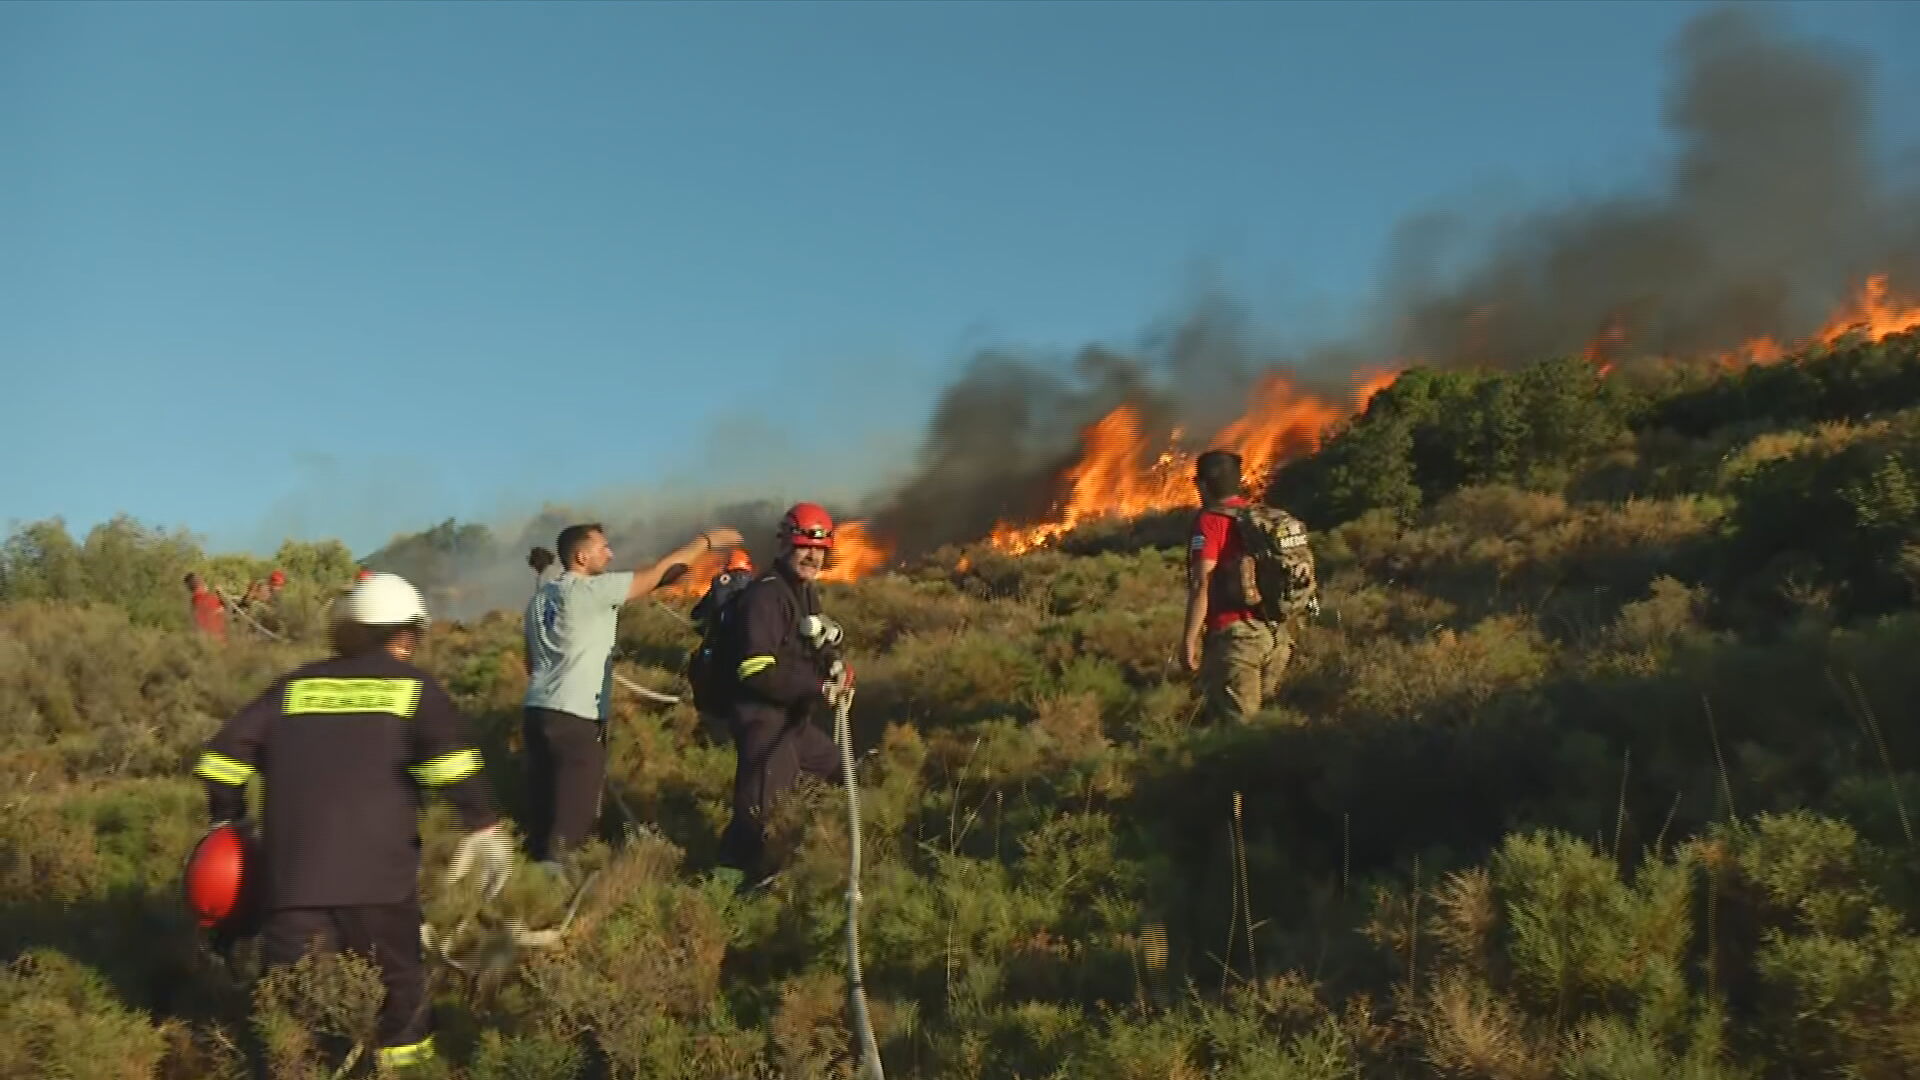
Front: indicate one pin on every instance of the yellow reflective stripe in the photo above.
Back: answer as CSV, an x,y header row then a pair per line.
x,y
341,697
222,769
447,768
754,665
411,1054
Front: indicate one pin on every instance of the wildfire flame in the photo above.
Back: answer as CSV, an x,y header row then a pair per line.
x,y
856,553
1874,315
1120,475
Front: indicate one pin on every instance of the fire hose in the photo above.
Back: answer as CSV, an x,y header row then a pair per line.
x,y
856,991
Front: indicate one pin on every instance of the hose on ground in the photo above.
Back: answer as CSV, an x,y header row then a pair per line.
x,y
856,991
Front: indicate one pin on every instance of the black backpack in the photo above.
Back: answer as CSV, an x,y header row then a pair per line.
x,y
705,668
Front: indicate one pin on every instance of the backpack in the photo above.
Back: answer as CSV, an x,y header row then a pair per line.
x,y
705,668
1276,577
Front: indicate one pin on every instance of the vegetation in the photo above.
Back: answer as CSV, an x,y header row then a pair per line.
x,y
1591,768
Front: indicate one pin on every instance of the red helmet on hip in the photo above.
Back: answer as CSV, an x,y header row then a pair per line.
x,y
217,875
807,525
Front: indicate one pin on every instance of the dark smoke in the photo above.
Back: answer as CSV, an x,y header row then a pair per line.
x,y
1003,433
1775,211
467,571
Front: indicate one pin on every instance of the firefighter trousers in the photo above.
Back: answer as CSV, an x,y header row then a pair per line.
x,y
386,934
566,771
773,746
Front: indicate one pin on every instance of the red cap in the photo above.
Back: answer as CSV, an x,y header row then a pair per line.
x,y
277,578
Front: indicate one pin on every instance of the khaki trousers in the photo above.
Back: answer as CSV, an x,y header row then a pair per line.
x,y
1240,667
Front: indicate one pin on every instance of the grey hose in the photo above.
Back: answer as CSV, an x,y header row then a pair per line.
x,y
857,992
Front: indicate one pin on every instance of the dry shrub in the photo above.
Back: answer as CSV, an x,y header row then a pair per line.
x,y
58,1019
809,1029
89,693
641,971
1643,637
1447,672
1464,923
47,855
1068,729
1466,1030
951,677
324,998
1136,639
1497,510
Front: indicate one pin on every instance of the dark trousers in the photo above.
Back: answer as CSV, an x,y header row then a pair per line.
x,y
566,769
386,934
773,747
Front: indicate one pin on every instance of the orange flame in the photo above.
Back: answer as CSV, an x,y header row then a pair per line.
x,y
1119,475
699,577
856,553
1874,315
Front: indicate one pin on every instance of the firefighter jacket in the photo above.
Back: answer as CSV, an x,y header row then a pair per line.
x,y
345,748
773,664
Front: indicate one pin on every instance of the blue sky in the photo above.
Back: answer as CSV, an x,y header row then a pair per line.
x,y
348,269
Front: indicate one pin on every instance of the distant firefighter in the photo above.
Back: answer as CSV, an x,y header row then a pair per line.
x,y
209,615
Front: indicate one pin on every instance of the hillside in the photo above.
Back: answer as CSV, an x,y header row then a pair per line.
x,y
1598,763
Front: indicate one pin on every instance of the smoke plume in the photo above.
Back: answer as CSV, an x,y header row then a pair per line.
x,y
1774,210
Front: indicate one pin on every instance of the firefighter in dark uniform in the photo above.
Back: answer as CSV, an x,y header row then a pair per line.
x,y
346,747
737,575
783,655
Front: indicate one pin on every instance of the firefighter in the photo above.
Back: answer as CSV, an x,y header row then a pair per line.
x,y
345,748
1237,656
570,624
783,657
735,577
209,614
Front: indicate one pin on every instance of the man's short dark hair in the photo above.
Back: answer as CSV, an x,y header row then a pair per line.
x,y
1218,473
192,579
573,538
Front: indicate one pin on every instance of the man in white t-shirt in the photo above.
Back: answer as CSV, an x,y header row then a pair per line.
x,y
570,624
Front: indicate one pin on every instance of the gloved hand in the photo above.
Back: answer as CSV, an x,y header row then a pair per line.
x,y
839,682
821,632
491,852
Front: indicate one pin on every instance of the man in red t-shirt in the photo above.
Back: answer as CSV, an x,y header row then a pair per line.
x,y
1238,656
208,613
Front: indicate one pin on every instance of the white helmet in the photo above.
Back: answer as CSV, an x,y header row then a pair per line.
x,y
384,600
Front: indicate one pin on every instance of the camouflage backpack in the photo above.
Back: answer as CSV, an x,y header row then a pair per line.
x,y
1276,577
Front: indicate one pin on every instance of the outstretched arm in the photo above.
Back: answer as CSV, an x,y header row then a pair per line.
x,y
648,578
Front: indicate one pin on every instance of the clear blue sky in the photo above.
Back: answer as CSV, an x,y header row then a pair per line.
x,y
347,269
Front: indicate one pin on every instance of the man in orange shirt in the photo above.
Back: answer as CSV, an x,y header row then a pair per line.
x,y
208,613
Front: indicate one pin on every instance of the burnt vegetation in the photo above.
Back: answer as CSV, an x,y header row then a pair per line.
x,y
1596,764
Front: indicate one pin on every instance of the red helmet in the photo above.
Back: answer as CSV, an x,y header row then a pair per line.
x,y
217,875
277,578
807,525
739,560
363,575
